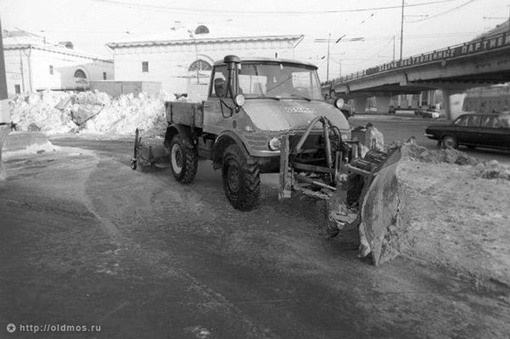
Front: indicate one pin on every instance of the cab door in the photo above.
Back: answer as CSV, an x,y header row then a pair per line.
x,y
219,107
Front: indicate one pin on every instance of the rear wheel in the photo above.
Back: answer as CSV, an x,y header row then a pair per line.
x,y
241,179
449,142
183,160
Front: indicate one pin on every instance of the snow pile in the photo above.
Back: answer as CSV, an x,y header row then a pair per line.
x,y
493,170
92,98
126,113
90,112
442,212
413,151
36,111
487,170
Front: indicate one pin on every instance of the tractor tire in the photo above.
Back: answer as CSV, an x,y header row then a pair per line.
x,y
241,179
449,142
183,160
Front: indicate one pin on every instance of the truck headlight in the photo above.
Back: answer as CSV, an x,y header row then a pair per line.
x,y
345,137
275,144
339,103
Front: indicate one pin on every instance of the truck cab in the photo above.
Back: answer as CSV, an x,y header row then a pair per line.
x,y
277,96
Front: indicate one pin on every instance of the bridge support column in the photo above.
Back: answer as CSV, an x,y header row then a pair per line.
x,y
360,105
382,104
453,102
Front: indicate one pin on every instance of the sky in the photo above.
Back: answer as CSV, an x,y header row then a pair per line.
x,y
427,24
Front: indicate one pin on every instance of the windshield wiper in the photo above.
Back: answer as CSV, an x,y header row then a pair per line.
x,y
301,97
266,97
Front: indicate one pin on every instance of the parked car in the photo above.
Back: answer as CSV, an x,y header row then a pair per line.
x,y
428,113
474,130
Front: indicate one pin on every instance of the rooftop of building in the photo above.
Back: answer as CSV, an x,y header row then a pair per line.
x,y
179,34
20,39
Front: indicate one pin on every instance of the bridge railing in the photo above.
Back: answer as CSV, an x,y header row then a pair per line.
x,y
466,49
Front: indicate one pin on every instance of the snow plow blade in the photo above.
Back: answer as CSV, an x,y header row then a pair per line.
x,y
378,200
148,154
356,178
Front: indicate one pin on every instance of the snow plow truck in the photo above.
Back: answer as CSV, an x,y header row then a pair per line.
x,y
265,115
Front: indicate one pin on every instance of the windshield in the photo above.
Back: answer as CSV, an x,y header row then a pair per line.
x,y
279,80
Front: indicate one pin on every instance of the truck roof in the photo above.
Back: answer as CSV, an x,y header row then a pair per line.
x,y
272,60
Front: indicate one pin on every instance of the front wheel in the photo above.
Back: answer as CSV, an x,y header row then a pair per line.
x,y
449,142
241,179
183,160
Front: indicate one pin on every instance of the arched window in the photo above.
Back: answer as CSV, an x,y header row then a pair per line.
x,y
200,65
80,74
201,30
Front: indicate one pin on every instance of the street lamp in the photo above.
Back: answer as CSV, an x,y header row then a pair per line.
x,y
402,31
196,55
402,28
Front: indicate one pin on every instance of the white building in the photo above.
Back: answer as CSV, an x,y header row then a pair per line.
x,y
182,58
34,64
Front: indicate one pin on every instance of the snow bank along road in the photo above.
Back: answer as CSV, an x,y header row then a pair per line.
x,y
87,241
399,128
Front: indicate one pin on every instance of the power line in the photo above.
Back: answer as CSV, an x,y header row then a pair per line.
x,y
443,13
311,47
205,11
365,38
372,56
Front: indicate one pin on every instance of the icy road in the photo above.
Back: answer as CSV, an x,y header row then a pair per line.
x,y
84,240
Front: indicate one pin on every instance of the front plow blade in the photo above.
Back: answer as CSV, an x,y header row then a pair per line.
x,y
379,211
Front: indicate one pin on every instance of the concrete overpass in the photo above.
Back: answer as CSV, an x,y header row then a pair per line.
x,y
454,69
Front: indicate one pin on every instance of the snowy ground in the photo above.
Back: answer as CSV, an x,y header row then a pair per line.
x,y
456,214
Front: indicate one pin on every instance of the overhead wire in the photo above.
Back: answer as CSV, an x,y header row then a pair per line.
x,y
201,10
373,55
443,13
206,11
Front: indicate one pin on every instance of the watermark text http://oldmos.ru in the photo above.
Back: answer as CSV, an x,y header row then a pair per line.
x,y
11,328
